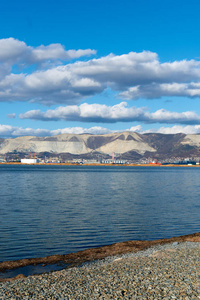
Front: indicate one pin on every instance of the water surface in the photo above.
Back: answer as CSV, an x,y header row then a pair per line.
x,y
46,210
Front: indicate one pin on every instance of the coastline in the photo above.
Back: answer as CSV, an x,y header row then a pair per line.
x,y
93,254
169,271
98,164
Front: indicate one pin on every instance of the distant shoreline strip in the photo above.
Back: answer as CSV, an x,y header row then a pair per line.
x,y
109,165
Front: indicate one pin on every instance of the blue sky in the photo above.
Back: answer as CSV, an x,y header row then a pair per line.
x,y
99,66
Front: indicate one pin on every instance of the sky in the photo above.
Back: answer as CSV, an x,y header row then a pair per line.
x,y
99,66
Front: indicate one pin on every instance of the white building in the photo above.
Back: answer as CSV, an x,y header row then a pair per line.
x,y
29,160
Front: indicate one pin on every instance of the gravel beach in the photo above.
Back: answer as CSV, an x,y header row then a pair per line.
x,y
170,271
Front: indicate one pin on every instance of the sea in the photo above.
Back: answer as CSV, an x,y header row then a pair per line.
x,y
58,209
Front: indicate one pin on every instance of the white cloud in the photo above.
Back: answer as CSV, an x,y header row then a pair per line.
x,y
99,113
89,113
57,52
175,129
12,50
7,131
81,130
137,128
164,116
156,90
12,131
132,75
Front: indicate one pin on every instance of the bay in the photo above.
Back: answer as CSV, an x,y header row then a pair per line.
x,y
46,210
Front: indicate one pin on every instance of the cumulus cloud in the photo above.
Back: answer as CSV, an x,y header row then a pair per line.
x,y
132,76
81,130
12,131
13,51
35,85
7,131
164,116
175,129
121,112
57,52
88,113
156,90
137,128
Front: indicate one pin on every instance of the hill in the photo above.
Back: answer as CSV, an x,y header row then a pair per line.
x,y
125,145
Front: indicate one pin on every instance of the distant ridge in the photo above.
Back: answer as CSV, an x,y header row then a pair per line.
x,y
127,145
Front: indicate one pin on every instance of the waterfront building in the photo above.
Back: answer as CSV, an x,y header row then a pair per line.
x,y
29,160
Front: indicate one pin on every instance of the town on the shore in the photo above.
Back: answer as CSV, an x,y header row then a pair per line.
x,y
37,159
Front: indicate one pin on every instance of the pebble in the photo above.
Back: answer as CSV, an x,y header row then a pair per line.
x,y
170,271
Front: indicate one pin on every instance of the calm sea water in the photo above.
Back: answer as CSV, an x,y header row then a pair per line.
x,y
47,210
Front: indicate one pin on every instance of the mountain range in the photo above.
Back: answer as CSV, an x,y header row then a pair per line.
x,y
124,145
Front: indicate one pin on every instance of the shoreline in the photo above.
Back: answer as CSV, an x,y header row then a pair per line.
x,y
93,254
168,271
98,164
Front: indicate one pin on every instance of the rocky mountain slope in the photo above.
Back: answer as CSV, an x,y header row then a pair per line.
x,y
128,145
